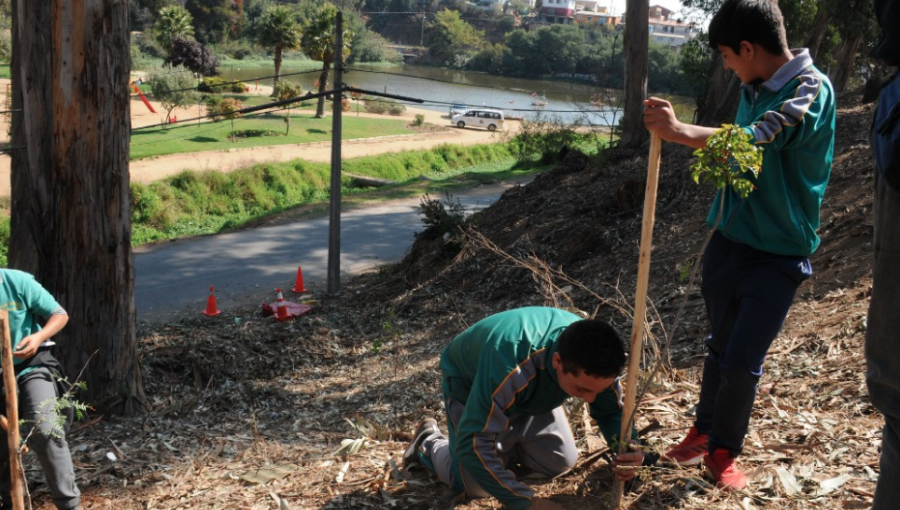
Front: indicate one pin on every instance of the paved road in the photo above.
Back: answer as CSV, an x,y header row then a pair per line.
x,y
172,280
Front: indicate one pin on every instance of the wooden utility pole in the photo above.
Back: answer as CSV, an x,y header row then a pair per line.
x,y
12,414
71,210
334,225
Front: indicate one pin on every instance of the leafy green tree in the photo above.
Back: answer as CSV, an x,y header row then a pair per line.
x,y
452,41
174,22
559,48
491,59
174,87
695,61
279,29
214,20
283,91
318,44
230,108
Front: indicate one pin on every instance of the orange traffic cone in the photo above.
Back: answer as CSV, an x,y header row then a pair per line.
x,y
211,309
298,286
281,313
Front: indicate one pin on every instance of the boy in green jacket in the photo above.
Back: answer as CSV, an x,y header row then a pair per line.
x,y
759,254
37,378
504,381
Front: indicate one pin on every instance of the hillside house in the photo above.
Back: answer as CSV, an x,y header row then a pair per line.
x,y
667,30
558,11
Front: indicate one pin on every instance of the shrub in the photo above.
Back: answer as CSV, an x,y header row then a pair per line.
x,y
218,85
419,120
442,216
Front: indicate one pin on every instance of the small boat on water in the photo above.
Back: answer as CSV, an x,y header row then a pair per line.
x,y
538,100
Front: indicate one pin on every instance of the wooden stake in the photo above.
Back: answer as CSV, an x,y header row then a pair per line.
x,y
12,413
640,306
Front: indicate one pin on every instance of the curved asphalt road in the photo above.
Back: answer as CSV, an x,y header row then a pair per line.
x,y
172,280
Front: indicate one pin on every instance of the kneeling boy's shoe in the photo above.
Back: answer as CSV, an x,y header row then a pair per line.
x,y
426,428
690,451
723,469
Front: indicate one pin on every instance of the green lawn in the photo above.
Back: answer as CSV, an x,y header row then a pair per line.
x,y
216,136
4,71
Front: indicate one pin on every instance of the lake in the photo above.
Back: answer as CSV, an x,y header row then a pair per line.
x,y
568,102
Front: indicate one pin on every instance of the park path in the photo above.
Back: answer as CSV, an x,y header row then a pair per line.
x,y
152,169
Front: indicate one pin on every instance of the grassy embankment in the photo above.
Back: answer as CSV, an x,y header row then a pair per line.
x,y
192,203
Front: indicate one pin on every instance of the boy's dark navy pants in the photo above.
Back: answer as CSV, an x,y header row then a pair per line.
x,y
748,293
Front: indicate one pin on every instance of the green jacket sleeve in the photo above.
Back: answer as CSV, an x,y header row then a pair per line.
x,y
802,114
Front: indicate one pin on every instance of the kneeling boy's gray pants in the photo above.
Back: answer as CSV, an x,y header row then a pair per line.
x,y
543,444
37,398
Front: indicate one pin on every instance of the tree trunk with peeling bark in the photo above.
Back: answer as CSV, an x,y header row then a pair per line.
x,y
818,30
636,63
720,101
71,216
845,61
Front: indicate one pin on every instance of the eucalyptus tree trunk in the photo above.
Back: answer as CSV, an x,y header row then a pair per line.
x,y
720,101
818,30
70,212
846,58
636,64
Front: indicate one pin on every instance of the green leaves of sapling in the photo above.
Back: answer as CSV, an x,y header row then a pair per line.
x,y
729,154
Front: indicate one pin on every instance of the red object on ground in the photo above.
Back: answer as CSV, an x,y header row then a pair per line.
x,y
293,309
144,99
211,309
298,285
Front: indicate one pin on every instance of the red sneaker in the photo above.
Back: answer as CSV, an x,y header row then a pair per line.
x,y
690,451
723,469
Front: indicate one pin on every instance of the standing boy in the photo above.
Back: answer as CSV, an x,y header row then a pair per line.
x,y
882,337
759,253
504,381
27,302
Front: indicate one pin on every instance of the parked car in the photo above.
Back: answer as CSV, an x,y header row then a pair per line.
x,y
457,108
479,117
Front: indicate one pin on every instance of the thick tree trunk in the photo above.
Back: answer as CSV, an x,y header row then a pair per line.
x,y
636,61
818,30
720,101
71,220
846,59
323,84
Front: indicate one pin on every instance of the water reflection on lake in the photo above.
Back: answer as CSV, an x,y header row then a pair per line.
x,y
570,102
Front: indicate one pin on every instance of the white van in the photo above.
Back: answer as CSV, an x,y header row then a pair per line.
x,y
479,117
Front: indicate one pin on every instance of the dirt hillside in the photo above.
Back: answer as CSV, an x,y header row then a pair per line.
x,y
243,412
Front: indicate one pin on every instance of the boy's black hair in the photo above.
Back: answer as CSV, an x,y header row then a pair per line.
x,y
591,346
755,21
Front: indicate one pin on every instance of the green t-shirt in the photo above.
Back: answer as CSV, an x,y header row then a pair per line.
x,y
26,302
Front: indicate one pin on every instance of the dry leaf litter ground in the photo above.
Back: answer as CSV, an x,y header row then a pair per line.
x,y
246,413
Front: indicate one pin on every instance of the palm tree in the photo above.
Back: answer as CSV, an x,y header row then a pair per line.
x,y
278,28
318,44
174,22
